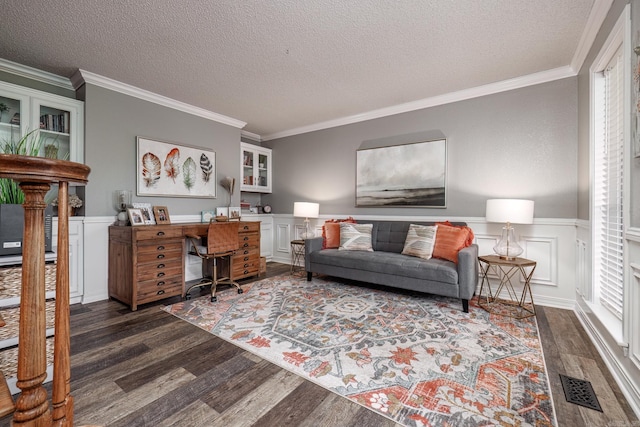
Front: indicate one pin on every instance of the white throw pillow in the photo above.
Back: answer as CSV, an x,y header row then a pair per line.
x,y
355,237
420,241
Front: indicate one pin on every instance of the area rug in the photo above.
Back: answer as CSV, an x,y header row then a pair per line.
x,y
416,359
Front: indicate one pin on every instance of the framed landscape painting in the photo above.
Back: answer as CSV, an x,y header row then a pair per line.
x,y
169,169
402,175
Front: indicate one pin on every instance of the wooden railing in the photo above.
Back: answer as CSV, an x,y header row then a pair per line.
x,y
35,175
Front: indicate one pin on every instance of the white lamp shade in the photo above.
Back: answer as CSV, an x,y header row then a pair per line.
x,y
516,211
306,210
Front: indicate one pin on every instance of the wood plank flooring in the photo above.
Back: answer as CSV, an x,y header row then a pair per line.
x,y
148,368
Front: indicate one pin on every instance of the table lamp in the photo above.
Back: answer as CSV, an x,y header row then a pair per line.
x,y
306,210
509,211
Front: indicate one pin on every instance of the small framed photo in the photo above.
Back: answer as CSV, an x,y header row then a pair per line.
x,y
222,211
234,213
135,216
162,215
207,216
147,212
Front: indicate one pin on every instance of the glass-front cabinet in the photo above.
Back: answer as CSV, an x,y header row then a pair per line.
x,y
51,125
256,168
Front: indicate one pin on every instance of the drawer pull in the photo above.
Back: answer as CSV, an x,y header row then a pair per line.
x,y
246,258
246,227
160,248
246,271
246,238
246,252
160,256
160,283
160,274
160,292
160,266
160,233
246,265
245,245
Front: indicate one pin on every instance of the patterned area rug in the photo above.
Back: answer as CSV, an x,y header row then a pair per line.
x,y
418,360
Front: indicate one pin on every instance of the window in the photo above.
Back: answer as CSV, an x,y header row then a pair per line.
x,y
608,187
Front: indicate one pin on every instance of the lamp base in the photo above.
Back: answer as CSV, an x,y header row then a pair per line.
x,y
507,247
307,235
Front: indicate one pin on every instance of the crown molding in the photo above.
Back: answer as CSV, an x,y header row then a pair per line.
x,y
35,74
82,77
489,89
250,135
597,16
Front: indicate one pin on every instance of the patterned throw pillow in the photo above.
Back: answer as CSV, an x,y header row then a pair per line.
x,y
355,237
420,241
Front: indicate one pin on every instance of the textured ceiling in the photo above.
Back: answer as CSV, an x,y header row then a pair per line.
x,y
284,64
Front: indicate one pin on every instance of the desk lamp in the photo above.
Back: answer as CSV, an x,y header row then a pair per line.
x,y
306,210
509,211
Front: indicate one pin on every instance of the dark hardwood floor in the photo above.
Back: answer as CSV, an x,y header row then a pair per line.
x,y
148,368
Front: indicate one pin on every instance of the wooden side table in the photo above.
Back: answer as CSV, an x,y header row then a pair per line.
x,y
297,256
515,306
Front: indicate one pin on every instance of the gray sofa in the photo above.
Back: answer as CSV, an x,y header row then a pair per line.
x,y
387,266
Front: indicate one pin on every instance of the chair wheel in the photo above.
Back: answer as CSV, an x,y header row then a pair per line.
x,y
214,299
187,296
240,290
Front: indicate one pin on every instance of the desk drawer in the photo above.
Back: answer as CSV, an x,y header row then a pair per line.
x,y
247,227
160,256
243,254
153,293
158,232
159,271
152,286
159,246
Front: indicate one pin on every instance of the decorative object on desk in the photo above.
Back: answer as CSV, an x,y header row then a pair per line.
x,y
161,214
222,212
228,184
121,201
234,213
75,203
516,211
402,175
135,216
207,216
147,212
169,169
266,209
306,210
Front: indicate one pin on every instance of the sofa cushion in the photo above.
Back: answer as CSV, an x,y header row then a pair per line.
x,y
470,236
438,270
355,237
449,241
331,232
420,241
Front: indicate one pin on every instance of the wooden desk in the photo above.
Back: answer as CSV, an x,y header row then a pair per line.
x,y
146,262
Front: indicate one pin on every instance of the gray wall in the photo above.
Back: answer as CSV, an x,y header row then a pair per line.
x,y
112,122
516,144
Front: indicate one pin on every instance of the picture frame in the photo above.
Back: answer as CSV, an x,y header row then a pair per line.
x,y
222,212
174,170
207,216
161,214
234,213
408,175
147,212
135,216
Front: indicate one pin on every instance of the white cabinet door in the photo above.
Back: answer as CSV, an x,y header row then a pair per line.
x,y
255,168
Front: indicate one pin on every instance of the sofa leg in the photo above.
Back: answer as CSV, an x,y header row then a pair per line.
x,y
309,276
465,305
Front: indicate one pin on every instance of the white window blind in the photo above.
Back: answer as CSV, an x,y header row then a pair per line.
x,y
609,160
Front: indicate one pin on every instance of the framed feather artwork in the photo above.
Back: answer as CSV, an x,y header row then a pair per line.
x,y
170,169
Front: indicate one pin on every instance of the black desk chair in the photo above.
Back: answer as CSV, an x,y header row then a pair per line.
x,y
222,243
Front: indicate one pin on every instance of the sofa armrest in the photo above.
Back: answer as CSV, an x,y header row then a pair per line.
x,y
468,271
311,245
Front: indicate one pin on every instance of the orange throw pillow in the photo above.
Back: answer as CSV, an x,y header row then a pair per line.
x,y
449,241
470,237
331,232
